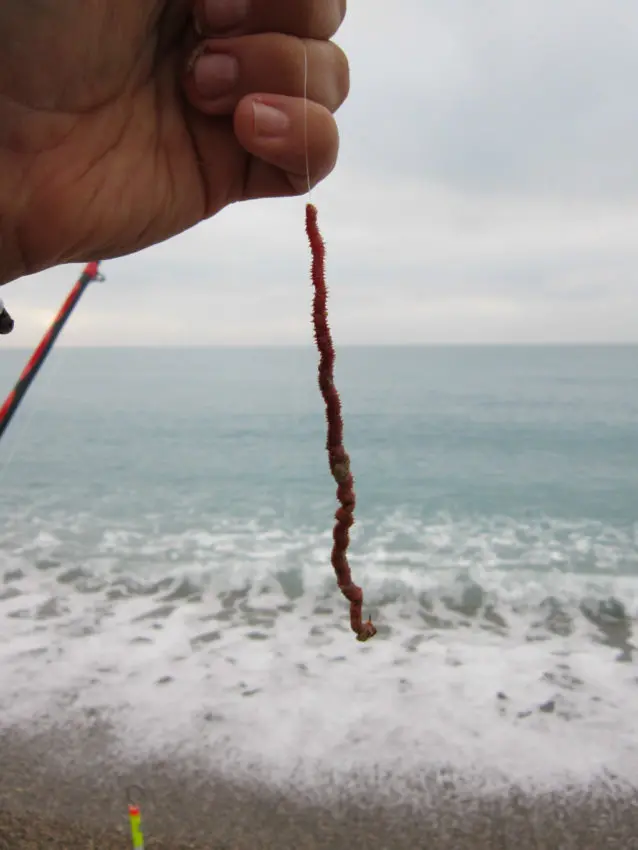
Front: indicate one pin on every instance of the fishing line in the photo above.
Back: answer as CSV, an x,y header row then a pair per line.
x,y
305,118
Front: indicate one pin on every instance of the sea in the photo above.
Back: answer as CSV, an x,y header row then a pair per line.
x,y
165,535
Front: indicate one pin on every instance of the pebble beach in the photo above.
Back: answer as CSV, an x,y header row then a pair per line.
x,y
66,790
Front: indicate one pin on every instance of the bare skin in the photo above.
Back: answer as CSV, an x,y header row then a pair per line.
x,y
114,134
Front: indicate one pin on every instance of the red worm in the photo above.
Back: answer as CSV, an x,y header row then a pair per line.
x,y
337,455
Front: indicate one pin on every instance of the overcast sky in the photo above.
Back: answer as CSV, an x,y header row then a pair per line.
x,y
487,191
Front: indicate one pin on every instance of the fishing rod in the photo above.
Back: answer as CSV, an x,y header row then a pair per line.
x,y
34,364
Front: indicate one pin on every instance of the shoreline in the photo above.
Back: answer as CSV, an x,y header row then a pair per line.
x,y
66,788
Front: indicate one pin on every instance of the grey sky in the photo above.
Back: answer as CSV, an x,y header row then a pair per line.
x,y
487,192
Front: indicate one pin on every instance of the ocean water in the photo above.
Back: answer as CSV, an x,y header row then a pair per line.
x,y
165,530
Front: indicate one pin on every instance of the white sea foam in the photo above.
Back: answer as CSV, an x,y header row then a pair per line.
x,y
493,654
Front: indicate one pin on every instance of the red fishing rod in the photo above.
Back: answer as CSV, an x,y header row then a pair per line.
x,y
12,402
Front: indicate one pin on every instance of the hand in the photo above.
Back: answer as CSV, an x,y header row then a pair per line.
x,y
123,122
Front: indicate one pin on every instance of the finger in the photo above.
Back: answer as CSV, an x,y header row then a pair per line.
x,y
304,18
293,143
225,70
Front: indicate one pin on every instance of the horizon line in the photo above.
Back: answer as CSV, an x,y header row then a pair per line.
x,y
286,346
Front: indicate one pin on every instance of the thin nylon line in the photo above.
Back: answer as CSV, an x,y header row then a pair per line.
x,y
305,117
